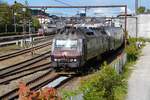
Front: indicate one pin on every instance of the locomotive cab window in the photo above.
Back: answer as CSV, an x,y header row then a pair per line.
x,y
66,44
89,33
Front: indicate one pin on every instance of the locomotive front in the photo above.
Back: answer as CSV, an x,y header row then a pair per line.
x,y
66,51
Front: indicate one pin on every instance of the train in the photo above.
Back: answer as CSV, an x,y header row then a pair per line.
x,y
50,28
72,47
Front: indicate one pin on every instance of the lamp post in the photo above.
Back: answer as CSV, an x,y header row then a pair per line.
x,y
24,10
15,22
31,38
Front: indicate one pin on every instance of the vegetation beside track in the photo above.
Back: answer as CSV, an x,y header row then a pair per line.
x,y
107,84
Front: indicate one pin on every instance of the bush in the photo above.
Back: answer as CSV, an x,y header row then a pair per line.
x,y
134,40
132,52
102,85
68,94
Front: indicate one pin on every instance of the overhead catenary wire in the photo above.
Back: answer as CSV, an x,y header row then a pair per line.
x,y
64,3
67,4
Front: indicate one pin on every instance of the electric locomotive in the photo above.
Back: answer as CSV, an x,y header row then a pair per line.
x,y
72,47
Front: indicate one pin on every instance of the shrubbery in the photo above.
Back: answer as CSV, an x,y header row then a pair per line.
x,y
103,85
134,40
132,52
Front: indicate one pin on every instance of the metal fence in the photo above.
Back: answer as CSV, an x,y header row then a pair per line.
x,y
119,62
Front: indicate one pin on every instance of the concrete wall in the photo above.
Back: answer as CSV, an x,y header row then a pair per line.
x,y
131,26
143,25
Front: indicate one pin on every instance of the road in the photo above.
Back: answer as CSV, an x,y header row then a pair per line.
x,y
139,81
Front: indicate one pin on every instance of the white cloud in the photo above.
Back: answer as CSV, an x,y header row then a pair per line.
x,y
94,11
122,10
102,11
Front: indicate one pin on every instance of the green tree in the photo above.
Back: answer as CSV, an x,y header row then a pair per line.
x,y
22,14
5,15
141,10
18,9
35,23
9,14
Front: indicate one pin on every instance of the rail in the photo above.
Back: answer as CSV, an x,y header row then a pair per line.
x,y
20,52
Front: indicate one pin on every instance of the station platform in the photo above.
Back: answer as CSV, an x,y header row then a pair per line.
x,y
139,81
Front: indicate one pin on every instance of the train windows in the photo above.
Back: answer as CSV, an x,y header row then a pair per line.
x,y
89,33
103,32
66,44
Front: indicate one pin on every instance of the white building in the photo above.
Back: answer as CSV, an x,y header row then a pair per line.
x,y
44,19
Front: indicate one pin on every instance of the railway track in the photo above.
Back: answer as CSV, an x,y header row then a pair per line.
x,y
36,84
47,38
22,73
20,52
36,67
23,65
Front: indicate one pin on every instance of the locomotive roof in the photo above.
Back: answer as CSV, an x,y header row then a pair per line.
x,y
84,32
71,32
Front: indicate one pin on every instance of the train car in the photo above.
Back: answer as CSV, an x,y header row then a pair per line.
x,y
72,47
40,32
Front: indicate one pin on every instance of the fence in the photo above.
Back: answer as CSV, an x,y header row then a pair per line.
x,y
119,62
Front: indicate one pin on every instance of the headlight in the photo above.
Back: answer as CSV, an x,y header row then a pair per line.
x,y
75,60
55,59
71,60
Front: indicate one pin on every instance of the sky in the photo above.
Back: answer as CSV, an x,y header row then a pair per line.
x,y
100,11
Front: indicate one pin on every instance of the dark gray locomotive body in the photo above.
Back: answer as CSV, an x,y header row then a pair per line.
x,y
72,47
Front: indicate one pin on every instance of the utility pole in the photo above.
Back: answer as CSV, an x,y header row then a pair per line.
x,y
31,39
136,6
136,17
85,11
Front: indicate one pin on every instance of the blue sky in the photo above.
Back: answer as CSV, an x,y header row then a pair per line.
x,y
130,4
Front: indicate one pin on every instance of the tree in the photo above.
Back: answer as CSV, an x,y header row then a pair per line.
x,y
18,9
10,14
35,23
23,14
141,10
5,15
